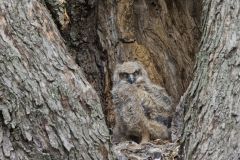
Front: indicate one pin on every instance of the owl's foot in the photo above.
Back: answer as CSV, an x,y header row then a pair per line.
x,y
145,137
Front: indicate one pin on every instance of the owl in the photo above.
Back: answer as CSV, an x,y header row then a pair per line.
x,y
143,110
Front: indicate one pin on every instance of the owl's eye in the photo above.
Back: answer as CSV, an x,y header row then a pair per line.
x,y
137,72
123,75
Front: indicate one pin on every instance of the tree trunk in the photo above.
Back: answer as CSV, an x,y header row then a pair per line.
x,y
48,109
212,102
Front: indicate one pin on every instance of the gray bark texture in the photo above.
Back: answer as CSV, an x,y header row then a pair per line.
x,y
48,110
212,101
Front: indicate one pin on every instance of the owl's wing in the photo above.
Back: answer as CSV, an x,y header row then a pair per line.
x,y
153,111
160,96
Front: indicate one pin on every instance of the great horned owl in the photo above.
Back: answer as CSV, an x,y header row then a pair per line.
x,y
143,109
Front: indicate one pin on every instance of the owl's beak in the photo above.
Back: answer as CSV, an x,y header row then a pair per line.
x,y
131,79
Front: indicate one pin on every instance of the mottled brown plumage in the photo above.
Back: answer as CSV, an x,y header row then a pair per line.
x,y
143,109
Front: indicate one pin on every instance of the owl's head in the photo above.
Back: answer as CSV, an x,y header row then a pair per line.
x,y
131,72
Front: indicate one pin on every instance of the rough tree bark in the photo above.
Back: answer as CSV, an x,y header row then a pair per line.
x,y
48,110
77,21
212,102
